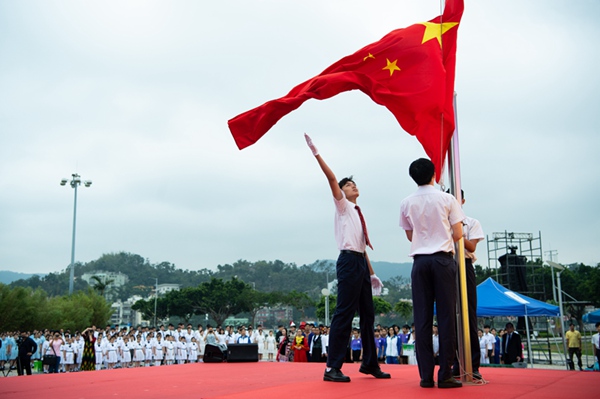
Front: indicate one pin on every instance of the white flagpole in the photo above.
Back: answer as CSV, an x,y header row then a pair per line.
x,y
464,341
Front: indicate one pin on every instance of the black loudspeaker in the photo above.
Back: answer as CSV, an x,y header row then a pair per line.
x,y
514,266
213,354
242,353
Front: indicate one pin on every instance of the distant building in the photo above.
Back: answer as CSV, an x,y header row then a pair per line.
x,y
266,316
122,312
166,288
118,279
123,315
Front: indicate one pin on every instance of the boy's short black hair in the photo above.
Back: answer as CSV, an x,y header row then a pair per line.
x,y
345,180
421,171
462,193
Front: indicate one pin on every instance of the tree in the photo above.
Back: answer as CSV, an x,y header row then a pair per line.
x,y
403,308
19,307
101,285
381,306
179,304
78,311
219,299
299,300
399,288
25,309
321,307
257,300
145,308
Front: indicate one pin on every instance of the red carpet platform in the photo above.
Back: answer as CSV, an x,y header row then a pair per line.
x,y
274,380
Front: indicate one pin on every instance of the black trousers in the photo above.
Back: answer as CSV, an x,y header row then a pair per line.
x,y
317,357
576,352
24,364
434,280
472,306
354,294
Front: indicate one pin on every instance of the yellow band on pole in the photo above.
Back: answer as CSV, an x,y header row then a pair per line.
x,y
464,311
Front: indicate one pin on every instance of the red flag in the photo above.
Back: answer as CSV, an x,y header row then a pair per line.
x,y
410,71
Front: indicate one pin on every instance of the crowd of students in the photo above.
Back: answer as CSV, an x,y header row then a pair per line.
x,y
114,347
125,347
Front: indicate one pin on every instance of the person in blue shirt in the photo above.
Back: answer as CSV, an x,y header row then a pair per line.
x,y
244,338
497,345
380,344
356,346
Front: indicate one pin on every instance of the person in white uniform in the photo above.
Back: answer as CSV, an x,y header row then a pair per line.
x,y
148,349
432,221
158,350
270,343
99,352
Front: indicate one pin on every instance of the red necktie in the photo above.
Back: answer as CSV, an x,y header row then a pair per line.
x,y
364,226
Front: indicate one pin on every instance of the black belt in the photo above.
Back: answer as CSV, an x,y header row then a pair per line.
x,y
440,253
350,252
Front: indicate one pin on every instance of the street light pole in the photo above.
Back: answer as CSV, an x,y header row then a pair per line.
x,y
155,299
562,323
75,182
559,268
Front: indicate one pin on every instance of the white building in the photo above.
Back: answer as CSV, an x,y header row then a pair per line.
x,y
165,288
124,315
118,279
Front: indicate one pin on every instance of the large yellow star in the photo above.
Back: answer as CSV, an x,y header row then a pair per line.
x,y
433,30
391,66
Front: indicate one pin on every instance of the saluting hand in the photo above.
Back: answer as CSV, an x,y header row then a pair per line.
x,y
311,145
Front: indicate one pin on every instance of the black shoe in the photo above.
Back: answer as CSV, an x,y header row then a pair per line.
x,y
375,372
335,375
449,383
477,375
427,384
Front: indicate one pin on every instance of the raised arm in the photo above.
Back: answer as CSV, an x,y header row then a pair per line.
x,y
331,179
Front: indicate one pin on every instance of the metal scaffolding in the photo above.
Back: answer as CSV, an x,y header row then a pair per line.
x,y
517,259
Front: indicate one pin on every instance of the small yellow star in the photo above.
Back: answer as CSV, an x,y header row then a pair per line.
x,y
369,56
433,30
391,66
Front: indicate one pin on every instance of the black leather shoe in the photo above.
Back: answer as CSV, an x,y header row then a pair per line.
x,y
477,375
335,375
375,372
427,384
449,383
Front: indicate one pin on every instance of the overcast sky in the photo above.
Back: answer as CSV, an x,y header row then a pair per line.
x,y
135,96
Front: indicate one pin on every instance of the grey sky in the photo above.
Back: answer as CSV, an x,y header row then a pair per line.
x,y
135,95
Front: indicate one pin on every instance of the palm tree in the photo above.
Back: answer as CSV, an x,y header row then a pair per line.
x,y
101,285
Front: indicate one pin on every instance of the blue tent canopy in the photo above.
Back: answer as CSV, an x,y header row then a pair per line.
x,y
495,300
592,317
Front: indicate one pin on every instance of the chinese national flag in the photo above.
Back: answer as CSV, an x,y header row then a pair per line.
x,y
409,71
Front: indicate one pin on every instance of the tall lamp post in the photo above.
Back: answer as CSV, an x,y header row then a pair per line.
x,y
559,269
75,182
155,299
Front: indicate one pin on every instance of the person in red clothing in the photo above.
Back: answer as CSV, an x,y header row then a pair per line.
x,y
300,347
